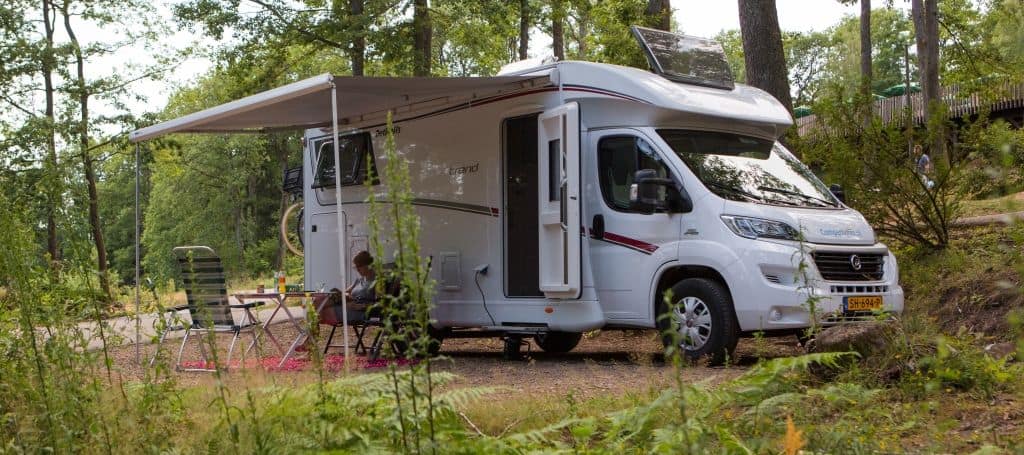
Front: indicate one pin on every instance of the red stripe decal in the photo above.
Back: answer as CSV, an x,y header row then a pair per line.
x,y
631,243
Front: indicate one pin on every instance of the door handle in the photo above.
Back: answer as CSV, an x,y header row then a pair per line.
x,y
597,227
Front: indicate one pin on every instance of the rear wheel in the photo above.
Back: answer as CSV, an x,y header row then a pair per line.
x,y
435,337
558,342
703,314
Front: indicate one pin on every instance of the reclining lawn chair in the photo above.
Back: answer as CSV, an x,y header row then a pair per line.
x,y
203,279
166,321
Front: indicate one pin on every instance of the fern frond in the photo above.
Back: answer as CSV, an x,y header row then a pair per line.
x,y
461,397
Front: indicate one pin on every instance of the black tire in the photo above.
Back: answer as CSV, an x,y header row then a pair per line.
x,y
401,347
558,342
710,327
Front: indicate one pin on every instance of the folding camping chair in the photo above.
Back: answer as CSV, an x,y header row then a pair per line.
x,y
365,317
361,317
203,278
358,318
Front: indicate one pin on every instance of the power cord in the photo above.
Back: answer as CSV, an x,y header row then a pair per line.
x,y
482,270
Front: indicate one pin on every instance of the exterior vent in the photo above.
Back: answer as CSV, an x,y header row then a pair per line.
x,y
835,266
852,289
773,278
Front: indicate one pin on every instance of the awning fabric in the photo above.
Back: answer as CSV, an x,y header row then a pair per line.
x,y
307,103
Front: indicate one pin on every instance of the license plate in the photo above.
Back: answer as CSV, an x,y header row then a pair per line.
x,y
863,303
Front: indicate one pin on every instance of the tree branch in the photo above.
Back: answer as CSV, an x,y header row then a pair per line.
x,y
17,106
292,26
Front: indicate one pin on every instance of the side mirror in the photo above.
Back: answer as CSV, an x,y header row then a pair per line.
x,y
646,195
837,191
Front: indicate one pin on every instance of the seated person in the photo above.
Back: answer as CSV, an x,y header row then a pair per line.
x,y
361,293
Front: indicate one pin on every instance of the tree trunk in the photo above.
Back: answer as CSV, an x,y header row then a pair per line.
x,y
865,49
659,14
422,34
358,51
557,32
926,32
524,29
51,182
87,164
762,49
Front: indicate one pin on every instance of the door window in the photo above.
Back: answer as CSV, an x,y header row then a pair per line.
x,y
618,159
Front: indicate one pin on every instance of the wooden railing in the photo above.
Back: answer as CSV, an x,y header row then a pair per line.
x,y
960,103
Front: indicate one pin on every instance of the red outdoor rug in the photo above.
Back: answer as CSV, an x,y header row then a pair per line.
x,y
331,363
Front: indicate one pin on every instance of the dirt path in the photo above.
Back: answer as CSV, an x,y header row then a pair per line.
x,y
614,362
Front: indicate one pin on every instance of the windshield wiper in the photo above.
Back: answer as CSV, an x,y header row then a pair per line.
x,y
798,194
747,194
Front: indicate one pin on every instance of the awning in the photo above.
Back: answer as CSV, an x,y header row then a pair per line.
x,y
324,100
307,103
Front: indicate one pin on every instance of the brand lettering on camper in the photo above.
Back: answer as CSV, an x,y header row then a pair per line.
x,y
840,232
381,132
464,169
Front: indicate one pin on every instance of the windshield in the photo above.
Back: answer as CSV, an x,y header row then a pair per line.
x,y
744,168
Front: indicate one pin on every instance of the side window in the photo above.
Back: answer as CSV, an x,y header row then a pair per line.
x,y
353,151
618,159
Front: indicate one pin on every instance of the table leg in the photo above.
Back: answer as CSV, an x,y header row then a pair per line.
x,y
303,333
279,301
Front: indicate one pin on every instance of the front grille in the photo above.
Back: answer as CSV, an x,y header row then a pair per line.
x,y
840,266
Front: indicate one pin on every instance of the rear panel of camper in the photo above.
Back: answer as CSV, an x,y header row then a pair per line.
x,y
470,173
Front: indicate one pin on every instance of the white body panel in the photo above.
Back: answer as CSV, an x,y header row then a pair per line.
x,y
456,162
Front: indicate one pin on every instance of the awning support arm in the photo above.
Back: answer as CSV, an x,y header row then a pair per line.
x,y
342,228
138,308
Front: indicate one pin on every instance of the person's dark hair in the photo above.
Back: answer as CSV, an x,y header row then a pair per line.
x,y
362,259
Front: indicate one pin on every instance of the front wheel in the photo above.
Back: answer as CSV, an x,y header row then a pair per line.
x,y
558,342
700,320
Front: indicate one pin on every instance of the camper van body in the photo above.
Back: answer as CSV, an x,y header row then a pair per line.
x,y
532,229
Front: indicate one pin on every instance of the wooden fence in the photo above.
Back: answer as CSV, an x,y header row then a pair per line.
x,y
999,96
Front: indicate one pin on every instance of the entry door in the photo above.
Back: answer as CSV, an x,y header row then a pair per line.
x,y
558,201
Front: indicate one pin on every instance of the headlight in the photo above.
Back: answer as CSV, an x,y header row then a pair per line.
x,y
753,228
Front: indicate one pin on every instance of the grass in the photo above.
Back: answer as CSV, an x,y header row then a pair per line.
x,y
1009,203
946,394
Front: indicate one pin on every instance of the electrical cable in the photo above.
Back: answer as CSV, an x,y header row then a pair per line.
x,y
476,279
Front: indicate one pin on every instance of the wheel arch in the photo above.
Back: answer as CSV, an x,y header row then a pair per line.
x,y
671,274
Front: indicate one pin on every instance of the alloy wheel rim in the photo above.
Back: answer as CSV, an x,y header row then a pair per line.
x,y
694,321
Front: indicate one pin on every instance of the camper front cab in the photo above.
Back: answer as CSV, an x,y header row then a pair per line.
x,y
578,203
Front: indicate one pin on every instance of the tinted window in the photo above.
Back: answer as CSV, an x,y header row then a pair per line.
x,y
618,159
744,168
353,151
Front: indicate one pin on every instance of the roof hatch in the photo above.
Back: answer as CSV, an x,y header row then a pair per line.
x,y
686,59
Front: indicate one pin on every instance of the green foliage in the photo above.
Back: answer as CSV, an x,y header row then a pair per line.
x,y
994,157
613,42
873,164
958,363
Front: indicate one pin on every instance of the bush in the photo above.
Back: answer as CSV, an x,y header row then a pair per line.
x,y
874,166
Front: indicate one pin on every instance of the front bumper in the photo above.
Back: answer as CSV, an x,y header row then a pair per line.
x,y
780,288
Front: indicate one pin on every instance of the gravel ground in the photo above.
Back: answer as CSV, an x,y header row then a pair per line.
x,y
604,362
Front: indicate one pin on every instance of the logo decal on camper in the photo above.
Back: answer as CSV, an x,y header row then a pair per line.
x,y
468,169
381,132
840,232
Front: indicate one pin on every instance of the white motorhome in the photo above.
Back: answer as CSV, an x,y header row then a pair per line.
x,y
563,197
